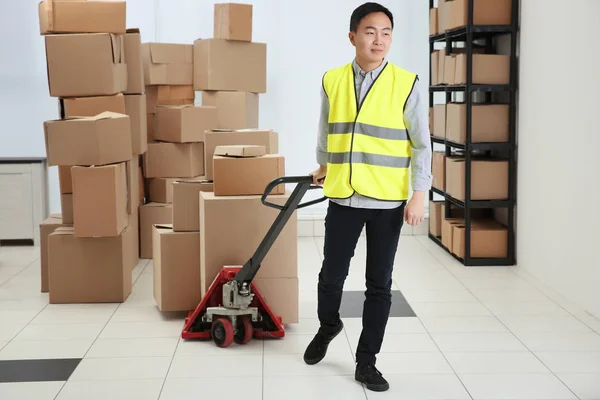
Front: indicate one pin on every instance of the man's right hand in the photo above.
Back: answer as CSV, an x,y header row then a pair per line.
x,y
319,175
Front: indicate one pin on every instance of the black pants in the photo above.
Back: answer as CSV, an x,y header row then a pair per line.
x,y
343,226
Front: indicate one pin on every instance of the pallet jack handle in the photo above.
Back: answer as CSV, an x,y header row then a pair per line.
x,y
304,183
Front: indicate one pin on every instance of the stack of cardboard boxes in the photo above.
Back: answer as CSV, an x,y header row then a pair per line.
x,y
95,72
489,124
217,219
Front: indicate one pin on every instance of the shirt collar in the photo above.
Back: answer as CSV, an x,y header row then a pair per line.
x,y
358,70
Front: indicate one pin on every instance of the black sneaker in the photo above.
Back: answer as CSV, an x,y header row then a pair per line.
x,y
317,349
371,377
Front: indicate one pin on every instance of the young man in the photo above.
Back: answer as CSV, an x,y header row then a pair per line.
x,y
373,128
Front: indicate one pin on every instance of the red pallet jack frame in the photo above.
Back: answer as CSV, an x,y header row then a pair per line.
x,y
233,310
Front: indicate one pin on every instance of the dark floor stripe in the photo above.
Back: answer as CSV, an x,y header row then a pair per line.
x,y
352,305
37,370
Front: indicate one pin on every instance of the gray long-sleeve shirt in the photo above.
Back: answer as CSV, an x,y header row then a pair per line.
x,y
417,125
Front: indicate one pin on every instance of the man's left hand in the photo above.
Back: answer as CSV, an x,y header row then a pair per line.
x,y
414,212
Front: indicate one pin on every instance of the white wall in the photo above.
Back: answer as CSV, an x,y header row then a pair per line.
x,y
559,138
300,48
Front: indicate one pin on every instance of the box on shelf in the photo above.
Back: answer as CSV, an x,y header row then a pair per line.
x,y
212,139
184,124
73,107
167,63
436,214
485,12
447,224
489,178
235,110
433,21
236,176
449,69
49,225
135,105
133,59
436,77
102,139
443,15
176,260
489,123
439,120
233,21
98,58
490,69
168,95
151,214
89,270
186,203
438,170
488,239
64,179
100,200
66,207
230,65
282,295
82,16
232,227
174,160
441,66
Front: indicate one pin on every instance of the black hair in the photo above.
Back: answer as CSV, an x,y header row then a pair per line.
x,y
366,9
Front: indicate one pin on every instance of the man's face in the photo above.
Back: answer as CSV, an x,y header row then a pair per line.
x,y
373,37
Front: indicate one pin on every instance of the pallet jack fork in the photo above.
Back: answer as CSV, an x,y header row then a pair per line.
x,y
233,308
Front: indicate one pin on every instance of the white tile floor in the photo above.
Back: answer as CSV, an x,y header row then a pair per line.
x,y
481,333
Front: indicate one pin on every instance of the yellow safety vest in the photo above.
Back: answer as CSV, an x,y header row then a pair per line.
x,y
368,145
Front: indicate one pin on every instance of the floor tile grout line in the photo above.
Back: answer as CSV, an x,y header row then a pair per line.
x,y
169,369
18,273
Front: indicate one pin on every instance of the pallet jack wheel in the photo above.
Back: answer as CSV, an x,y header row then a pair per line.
x,y
245,331
222,332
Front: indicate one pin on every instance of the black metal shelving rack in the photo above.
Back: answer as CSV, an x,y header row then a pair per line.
x,y
468,34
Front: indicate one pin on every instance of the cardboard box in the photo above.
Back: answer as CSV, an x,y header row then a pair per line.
x,y
99,140
490,69
151,214
133,223
150,127
186,205
236,176
89,270
282,295
233,22
441,66
232,227
135,105
439,120
66,208
485,12
133,189
142,187
100,200
489,178
98,58
184,124
81,16
167,63
435,217
230,65
49,225
241,151
133,59
176,260
64,179
449,69
267,138
91,106
174,160
160,190
489,123
235,110
168,96
443,15
433,21
447,232
488,239
438,170
435,62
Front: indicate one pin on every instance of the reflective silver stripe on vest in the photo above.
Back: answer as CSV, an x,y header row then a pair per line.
x,y
369,130
371,159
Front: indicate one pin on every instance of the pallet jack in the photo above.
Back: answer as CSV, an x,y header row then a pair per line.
x,y
233,310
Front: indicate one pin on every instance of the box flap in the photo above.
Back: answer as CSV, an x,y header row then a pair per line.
x,y
176,107
66,230
240,151
163,226
115,42
170,53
